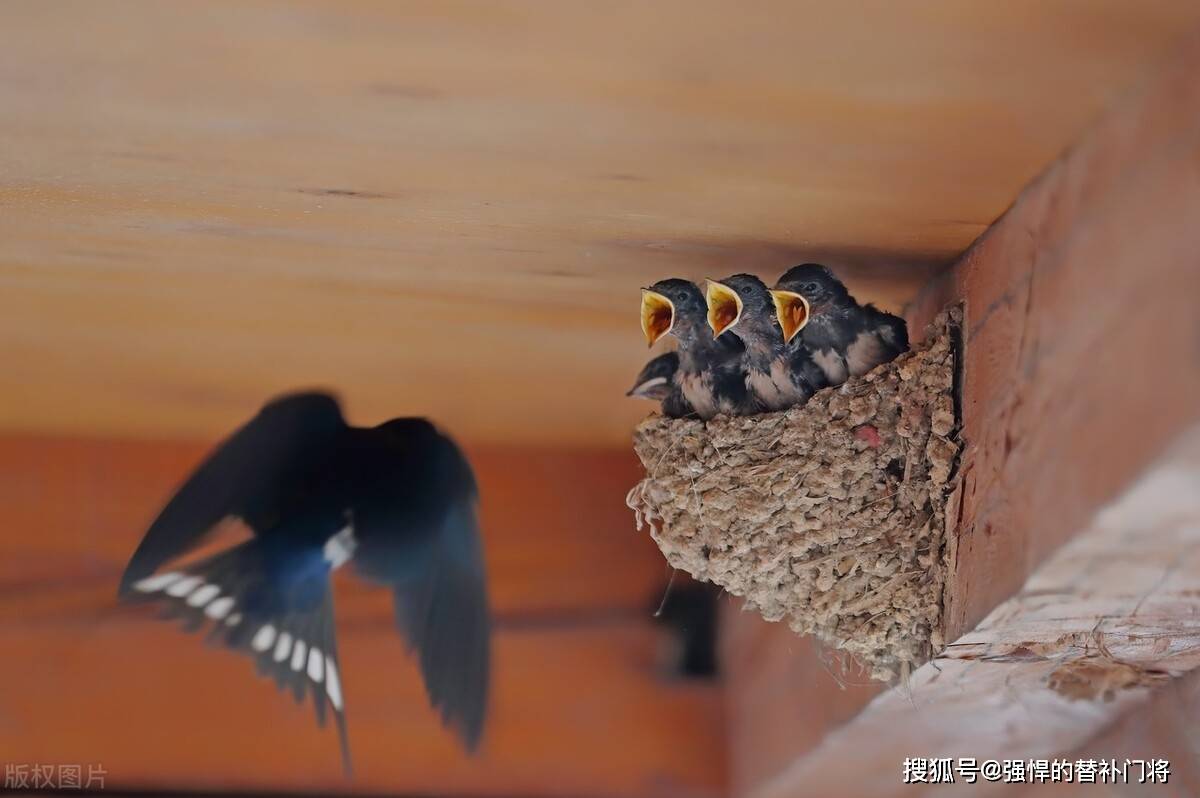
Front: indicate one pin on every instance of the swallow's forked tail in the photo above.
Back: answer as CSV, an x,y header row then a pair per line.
x,y
289,632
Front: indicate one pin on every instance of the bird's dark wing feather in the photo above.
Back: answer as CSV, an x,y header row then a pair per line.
x,y
892,329
805,371
675,405
444,618
293,643
248,476
429,552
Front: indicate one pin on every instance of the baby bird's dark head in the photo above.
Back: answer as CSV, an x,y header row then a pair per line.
x,y
816,284
672,306
654,381
742,305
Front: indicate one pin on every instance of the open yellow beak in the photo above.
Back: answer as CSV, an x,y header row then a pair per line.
x,y
792,311
658,315
724,306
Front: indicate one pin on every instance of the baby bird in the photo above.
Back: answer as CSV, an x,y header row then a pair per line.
x,y
846,339
656,382
778,375
710,375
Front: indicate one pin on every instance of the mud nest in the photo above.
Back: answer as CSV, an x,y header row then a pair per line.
x,y
830,515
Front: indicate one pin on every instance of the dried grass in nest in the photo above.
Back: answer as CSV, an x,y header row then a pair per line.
x,y
830,515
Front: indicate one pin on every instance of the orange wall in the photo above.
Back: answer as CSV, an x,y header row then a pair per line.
x,y
583,701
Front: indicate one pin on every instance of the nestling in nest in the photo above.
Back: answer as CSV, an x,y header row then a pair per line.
x,y
830,514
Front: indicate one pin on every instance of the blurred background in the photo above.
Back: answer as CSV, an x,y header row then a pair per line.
x,y
447,209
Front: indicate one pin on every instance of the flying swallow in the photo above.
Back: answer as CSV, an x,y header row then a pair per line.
x,y
710,374
656,382
777,374
397,500
846,339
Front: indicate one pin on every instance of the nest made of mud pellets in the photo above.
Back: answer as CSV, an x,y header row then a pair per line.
x,y
830,515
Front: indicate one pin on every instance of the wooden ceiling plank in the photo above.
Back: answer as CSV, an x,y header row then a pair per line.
x,y
446,210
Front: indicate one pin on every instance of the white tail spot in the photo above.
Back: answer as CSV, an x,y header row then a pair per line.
x,y
283,647
153,583
332,685
340,548
316,664
219,608
263,638
184,586
234,620
298,655
203,595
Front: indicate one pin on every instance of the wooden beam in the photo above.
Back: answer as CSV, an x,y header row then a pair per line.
x,y
1096,657
1080,338
1080,366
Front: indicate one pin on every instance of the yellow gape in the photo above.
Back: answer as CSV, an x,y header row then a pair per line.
x,y
724,307
658,315
792,312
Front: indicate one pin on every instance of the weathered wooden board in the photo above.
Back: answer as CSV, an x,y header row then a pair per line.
x,y
1080,338
446,208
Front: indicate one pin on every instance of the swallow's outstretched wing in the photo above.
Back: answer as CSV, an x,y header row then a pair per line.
x,y
249,476
429,552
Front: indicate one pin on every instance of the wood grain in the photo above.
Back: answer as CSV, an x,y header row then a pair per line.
x,y
1082,361
1080,368
447,209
